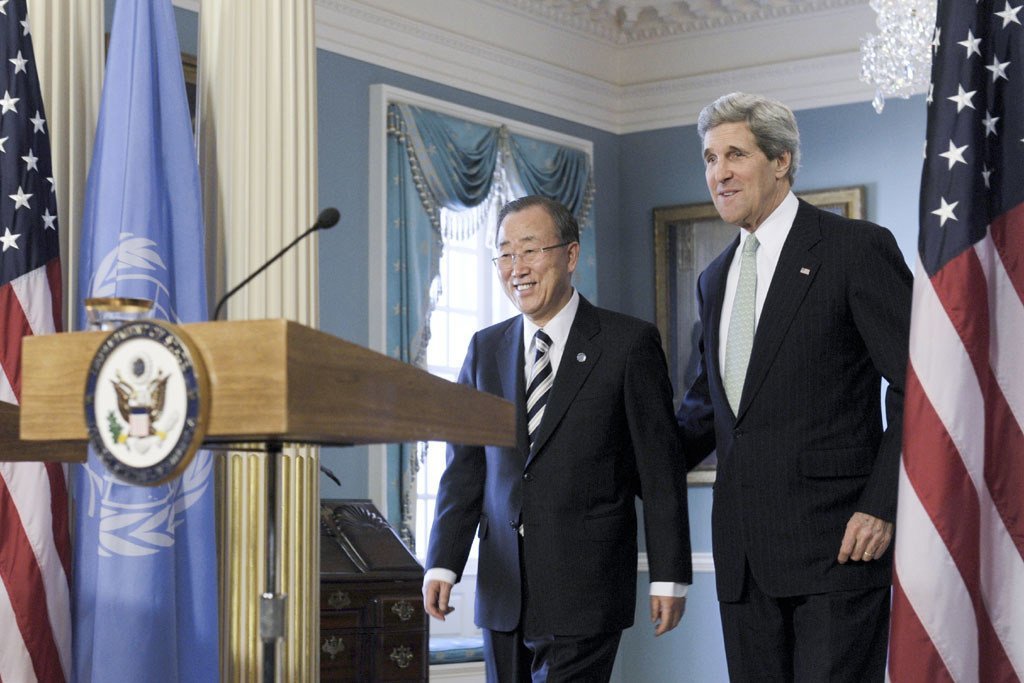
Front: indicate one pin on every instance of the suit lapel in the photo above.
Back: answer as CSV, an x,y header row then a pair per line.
x,y
579,357
510,361
793,276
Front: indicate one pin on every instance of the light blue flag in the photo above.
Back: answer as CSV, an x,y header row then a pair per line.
x,y
145,559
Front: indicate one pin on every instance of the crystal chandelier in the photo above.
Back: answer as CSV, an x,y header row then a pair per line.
x,y
897,61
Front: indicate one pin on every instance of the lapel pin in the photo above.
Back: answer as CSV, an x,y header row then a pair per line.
x,y
580,357
805,271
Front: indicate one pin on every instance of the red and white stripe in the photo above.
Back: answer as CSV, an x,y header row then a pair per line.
x,y
958,598
35,551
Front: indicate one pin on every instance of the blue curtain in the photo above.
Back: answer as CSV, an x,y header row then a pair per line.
x,y
438,161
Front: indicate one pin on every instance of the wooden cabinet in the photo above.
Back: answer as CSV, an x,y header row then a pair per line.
x,y
372,625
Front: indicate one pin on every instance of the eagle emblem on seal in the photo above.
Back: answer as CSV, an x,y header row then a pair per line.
x,y
141,395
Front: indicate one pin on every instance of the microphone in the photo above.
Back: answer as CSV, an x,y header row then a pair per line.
x,y
327,219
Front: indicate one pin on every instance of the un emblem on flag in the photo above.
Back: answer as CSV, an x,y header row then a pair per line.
x,y
146,402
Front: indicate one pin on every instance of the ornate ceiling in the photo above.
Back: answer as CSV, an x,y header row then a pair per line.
x,y
632,21
617,65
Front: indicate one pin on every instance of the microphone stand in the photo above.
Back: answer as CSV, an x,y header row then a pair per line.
x,y
327,218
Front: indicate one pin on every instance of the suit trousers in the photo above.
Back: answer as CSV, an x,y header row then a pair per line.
x,y
840,636
511,657
520,657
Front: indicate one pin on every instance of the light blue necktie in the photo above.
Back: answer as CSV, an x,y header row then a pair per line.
x,y
741,325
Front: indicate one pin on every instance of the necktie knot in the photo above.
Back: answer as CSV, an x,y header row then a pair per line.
x,y
542,342
750,245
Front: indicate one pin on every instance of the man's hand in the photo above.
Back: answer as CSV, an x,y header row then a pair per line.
x,y
666,613
866,538
435,599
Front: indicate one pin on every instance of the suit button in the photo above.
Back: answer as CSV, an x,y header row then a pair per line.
x,y
737,432
512,523
528,476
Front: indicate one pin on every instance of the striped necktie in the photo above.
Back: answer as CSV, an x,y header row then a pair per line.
x,y
541,379
741,325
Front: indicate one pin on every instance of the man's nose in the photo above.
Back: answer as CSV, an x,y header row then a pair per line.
x,y
722,171
518,267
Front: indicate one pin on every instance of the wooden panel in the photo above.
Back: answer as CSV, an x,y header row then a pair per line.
x,y
53,371
14,449
345,655
344,388
276,380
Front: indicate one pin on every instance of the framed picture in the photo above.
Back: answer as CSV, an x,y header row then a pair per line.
x,y
190,67
687,237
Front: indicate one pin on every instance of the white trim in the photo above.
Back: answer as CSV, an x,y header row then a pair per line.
x,y
377,467
554,70
802,84
461,672
355,29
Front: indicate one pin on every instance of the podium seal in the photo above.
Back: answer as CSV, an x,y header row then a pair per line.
x,y
146,402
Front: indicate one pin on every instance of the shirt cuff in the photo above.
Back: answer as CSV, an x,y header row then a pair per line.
x,y
439,574
668,589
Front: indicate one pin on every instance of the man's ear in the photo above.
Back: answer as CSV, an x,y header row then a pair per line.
x,y
783,163
573,251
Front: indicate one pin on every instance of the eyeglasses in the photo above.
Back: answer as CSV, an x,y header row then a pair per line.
x,y
527,257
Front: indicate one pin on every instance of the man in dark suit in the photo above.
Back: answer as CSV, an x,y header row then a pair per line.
x,y
802,316
556,515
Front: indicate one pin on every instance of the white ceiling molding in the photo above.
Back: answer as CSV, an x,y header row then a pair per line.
x,y
804,84
633,21
544,55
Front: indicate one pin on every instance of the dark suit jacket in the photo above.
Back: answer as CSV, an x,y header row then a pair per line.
x,y
608,435
807,448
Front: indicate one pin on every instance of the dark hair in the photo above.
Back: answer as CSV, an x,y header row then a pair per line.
x,y
771,122
565,223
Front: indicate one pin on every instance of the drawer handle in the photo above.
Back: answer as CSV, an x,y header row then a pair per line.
x,y
402,656
339,600
403,610
333,646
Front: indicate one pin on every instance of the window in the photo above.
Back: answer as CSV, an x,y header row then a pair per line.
x,y
469,298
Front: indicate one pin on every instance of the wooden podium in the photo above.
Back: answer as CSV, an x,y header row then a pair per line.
x,y
277,381
271,382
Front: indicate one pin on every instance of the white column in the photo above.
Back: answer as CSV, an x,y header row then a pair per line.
x,y
257,128
67,38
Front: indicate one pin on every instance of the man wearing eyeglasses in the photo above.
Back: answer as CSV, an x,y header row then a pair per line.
x,y
556,515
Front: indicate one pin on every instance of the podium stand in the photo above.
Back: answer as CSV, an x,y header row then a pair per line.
x,y
271,382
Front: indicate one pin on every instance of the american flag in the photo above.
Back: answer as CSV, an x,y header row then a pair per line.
x,y
958,598
35,548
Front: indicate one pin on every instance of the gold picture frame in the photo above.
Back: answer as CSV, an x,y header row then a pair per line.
x,y
687,237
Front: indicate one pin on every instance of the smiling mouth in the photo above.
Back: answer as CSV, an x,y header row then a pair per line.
x,y
524,286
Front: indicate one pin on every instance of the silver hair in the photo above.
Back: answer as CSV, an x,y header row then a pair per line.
x,y
771,122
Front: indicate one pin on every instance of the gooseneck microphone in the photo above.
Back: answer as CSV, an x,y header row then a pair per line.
x,y
327,219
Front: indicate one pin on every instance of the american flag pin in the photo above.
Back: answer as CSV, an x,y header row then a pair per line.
x,y
805,271
580,357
